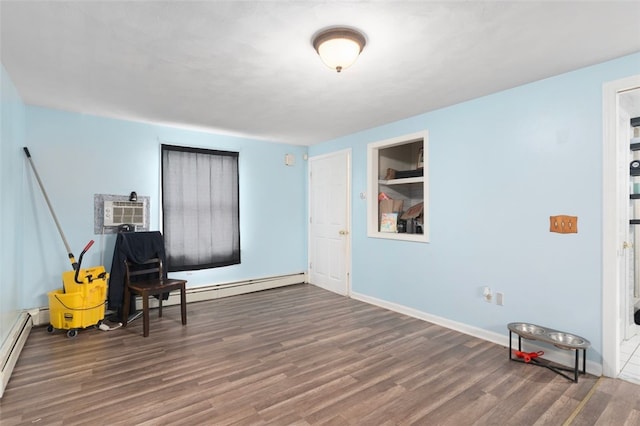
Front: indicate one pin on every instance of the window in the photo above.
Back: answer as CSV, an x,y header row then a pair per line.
x,y
200,209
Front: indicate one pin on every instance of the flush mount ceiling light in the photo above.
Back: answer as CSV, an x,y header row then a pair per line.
x,y
339,47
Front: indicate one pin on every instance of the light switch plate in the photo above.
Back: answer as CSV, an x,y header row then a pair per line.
x,y
563,224
289,159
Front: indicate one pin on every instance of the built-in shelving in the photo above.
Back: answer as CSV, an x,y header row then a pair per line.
x,y
403,155
403,181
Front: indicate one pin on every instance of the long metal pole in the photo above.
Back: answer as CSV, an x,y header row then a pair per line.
x,y
74,264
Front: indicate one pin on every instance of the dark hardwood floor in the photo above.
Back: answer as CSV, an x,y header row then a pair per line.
x,y
295,355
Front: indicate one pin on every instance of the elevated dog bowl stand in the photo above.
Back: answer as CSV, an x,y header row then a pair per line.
x,y
560,339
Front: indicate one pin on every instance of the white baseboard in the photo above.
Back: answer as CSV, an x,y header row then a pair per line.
x,y
210,292
12,346
560,356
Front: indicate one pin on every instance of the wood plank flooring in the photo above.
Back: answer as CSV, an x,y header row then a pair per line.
x,y
296,355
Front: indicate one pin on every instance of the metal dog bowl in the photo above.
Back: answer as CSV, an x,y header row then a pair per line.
x,y
564,340
528,329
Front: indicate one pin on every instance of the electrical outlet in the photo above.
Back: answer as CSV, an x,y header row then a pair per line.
x,y
500,299
486,293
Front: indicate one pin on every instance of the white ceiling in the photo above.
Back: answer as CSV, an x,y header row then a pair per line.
x,y
248,67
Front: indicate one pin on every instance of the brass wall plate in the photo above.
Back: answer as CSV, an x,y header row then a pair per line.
x,y
563,224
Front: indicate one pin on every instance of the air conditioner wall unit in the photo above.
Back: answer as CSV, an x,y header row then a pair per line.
x,y
117,213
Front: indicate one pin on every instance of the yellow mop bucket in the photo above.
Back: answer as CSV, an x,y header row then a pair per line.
x,y
81,301
78,305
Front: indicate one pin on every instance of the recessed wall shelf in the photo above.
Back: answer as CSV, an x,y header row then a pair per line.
x,y
401,181
397,190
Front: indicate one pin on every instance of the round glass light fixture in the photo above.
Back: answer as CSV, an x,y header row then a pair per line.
x,y
339,47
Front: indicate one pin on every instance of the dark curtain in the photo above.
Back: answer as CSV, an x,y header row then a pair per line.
x,y
200,209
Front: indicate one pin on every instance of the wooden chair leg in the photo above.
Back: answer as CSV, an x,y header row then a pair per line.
x,y
125,309
160,296
183,304
145,314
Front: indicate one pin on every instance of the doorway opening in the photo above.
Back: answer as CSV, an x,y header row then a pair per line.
x,y
621,257
330,222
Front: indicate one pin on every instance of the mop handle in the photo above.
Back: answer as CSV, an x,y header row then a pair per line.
x,y
88,246
87,276
55,219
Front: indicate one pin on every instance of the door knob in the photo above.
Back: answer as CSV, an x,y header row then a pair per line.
x,y
343,232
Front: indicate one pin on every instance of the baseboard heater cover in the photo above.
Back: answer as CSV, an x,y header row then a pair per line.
x,y
212,291
12,346
217,291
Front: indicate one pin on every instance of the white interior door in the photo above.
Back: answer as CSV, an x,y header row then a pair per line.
x,y
615,214
626,264
329,230
629,107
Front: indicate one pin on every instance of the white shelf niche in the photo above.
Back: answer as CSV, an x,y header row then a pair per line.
x,y
399,153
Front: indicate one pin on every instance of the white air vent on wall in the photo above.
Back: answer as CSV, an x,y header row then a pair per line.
x,y
119,212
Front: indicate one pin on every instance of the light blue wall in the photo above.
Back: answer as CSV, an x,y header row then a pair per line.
x,y
499,166
12,112
78,156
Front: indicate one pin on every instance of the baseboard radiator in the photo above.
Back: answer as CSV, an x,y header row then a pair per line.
x,y
217,291
213,291
12,346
